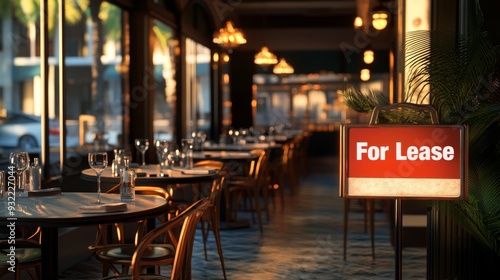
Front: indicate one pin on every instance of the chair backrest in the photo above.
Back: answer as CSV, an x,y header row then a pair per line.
x,y
188,220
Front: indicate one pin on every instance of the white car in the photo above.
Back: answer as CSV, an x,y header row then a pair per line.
x,y
23,131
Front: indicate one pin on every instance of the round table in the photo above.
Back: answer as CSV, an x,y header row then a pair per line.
x,y
55,211
150,175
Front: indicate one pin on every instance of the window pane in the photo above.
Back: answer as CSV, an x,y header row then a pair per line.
x,y
93,79
198,99
165,91
94,75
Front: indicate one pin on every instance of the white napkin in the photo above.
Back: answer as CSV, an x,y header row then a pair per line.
x,y
103,208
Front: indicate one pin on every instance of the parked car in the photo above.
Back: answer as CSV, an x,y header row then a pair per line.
x,y
23,131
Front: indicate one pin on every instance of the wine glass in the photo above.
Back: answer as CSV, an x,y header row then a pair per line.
x,y
20,161
98,162
162,148
142,146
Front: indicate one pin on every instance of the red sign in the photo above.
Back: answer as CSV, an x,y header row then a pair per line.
x,y
418,161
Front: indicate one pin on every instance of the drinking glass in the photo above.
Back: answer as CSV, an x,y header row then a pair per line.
x,y
162,147
20,161
142,146
98,162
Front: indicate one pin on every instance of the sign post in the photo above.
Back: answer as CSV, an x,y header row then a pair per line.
x,y
403,161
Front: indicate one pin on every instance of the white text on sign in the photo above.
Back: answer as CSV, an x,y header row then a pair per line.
x,y
412,152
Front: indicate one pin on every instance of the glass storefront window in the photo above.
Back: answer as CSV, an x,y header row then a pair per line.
x,y
198,90
93,83
164,74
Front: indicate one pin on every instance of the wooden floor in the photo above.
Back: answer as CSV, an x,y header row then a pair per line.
x,y
304,240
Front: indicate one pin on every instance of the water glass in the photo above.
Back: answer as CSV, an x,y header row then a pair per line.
x,y
187,151
127,185
175,158
19,162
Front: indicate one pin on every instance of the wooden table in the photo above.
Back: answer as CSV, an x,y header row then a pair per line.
x,y
54,212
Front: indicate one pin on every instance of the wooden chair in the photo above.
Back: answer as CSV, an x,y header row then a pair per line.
x,y
115,234
211,219
147,253
277,170
243,189
28,255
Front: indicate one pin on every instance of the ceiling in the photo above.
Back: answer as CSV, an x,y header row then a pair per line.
x,y
294,25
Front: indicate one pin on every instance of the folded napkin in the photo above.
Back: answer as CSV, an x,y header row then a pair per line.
x,y
195,171
44,192
103,208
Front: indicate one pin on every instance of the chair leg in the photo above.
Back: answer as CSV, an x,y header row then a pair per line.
x,y
258,210
266,201
215,228
204,234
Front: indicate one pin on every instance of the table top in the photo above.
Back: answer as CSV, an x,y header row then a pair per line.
x,y
224,155
64,210
240,147
150,174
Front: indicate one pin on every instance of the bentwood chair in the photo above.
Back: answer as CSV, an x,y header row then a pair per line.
x,y
211,219
112,235
28,255
247,189
178,253
277,171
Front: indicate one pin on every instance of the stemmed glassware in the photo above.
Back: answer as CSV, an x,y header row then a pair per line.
x,y
162,147
20,161
98,162
142,146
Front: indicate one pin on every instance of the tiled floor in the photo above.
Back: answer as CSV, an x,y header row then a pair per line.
x,y
302,241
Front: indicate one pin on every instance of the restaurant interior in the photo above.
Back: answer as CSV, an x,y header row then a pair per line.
x,y
226,116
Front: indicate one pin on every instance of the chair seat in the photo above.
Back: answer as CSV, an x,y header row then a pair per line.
x,y
154,252
23,255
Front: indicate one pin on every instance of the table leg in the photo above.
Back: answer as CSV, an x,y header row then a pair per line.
x,y
50,251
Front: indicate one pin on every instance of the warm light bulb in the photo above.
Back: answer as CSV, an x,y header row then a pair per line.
x,y
365,75
379,20
358,22
368,56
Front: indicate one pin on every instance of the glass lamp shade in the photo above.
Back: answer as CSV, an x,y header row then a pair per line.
x,y
365,75
368,56
358,22
380,17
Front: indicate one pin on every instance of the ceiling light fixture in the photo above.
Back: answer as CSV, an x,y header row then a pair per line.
x,y
380,17
358,22
229,37
365,75
368,56
283,68
265,57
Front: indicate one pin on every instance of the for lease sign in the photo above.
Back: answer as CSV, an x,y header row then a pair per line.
x,y
408,161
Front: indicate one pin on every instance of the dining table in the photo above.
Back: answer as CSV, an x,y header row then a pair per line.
x,y
153,174
240,147
72,209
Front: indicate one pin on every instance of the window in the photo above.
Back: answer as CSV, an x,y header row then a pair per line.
x,y
198,89
165,93
93,83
